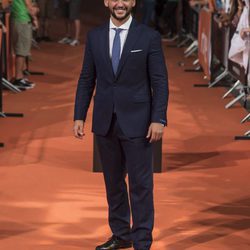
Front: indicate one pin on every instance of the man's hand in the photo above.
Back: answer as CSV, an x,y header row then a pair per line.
x,y
155,132
78,129
3,27
35,23
33,10
244,33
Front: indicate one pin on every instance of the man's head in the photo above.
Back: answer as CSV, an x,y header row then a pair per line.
x,y
6,3
120,9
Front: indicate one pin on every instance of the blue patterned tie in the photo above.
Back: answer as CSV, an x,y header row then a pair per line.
x,y
116,50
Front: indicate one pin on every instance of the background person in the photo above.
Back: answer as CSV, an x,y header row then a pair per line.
x,y
46,12
148,7
72,11
23,16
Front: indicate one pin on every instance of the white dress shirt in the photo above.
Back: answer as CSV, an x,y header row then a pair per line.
x,y
123,34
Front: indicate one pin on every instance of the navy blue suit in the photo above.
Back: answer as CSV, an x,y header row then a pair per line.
x,y
124,106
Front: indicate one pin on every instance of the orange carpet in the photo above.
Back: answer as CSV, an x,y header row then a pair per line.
x,y
51,200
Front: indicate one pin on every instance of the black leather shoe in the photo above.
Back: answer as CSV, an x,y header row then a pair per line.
x,y
114,243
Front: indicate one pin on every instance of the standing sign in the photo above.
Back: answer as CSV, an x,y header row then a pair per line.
x,y
204,40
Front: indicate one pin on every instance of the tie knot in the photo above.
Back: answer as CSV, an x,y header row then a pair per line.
x,y
117,30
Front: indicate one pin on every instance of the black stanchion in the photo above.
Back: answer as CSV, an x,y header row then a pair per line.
x,y
243,137
220,46
1,94
3,72
237,71
240,94
193,27
3,69
6,52
1,89
157,157
28,72
1,86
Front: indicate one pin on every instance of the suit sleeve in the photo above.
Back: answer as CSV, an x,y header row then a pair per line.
x,y
86,84
159,80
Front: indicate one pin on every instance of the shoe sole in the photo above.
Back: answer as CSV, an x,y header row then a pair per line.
x,y
32,85
21,88
125,247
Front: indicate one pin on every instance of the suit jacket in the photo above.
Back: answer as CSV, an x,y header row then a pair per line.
x,y
138,92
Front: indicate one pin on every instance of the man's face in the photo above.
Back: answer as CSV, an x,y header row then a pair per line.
x,y
120,9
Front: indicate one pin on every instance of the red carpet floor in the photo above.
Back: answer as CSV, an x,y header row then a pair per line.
x,y
51,200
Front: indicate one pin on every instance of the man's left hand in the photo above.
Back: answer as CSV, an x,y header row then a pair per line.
x,y
35,24
155,132
244,32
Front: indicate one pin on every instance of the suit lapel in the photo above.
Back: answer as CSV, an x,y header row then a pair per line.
x,y
129,43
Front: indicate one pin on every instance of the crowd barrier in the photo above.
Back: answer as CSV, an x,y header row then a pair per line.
x,y
7,64
8,59
1,88
204,35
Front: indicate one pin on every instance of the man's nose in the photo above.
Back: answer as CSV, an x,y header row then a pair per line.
x,y
120,3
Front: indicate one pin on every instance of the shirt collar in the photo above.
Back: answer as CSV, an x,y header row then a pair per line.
x,y
125,26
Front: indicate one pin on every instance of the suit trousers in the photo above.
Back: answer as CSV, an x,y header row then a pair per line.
x,y
121,155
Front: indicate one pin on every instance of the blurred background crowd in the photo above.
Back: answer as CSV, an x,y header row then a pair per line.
x,y
31,24
215,32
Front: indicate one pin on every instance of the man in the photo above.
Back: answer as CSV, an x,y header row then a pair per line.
x,y
72,9
170,20
46,13
239,49
147,11
23,15
125,61
4,4
159,9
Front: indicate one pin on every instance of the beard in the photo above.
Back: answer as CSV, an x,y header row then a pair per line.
x,y
128,12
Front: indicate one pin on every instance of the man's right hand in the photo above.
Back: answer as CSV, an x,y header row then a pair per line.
x,y
78,129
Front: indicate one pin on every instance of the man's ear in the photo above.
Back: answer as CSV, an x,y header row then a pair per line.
x,y
106,3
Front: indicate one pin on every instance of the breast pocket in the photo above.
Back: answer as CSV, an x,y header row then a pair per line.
x,y
136,60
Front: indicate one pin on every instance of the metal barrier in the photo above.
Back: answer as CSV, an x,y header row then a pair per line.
x,y
6,65
212,44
